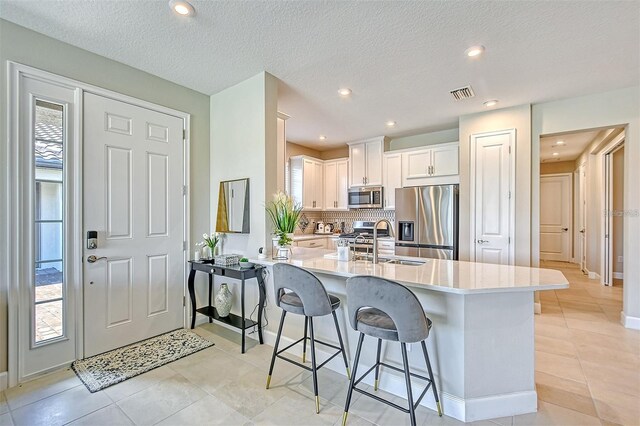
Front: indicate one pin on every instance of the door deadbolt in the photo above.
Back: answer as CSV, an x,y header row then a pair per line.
x,y
92,240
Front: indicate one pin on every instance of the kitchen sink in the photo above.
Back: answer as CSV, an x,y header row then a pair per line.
x,y
404,262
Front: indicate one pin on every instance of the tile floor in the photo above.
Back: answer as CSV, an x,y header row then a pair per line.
x,y
587,372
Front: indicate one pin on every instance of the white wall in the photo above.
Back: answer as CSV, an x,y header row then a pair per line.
x,y
424,139
243,145
608,109
518,118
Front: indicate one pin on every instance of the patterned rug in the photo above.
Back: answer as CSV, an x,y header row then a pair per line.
x,y
101,371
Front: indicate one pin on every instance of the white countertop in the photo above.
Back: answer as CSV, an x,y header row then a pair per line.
x,y
305,237
440,275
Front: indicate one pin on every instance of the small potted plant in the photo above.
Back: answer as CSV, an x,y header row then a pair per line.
x,y
284,214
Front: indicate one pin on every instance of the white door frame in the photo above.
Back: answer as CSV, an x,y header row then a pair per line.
x,y
606,260
15,72
512,184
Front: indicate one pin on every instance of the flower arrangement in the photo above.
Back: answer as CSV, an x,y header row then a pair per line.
x,y
284,214
210,241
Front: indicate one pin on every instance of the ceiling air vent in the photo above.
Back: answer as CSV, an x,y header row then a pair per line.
x,y
465,92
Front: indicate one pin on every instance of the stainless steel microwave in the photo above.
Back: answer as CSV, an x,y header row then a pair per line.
x,y
368,197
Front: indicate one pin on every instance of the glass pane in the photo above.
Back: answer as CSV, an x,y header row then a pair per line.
x,y
48,201
48,244
48,281
48,321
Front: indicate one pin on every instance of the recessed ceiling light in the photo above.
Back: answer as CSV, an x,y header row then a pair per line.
x,y
344,91
492,102
322,138
555,154
560,143
474,51
182,7
390,123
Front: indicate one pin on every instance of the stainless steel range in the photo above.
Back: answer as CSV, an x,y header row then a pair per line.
x,y
361,239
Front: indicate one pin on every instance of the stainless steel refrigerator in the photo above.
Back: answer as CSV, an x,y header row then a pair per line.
x,y
427,221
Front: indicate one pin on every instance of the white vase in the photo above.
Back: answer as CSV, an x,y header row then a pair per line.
x,y
223,300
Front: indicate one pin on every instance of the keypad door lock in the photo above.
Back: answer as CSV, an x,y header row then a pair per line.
x,y
92,240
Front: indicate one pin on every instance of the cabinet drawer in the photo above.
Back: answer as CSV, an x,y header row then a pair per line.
x,y
318,243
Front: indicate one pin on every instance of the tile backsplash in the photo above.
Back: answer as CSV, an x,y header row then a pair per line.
x,y
348,217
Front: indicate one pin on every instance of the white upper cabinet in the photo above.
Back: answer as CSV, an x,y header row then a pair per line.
x,y
431,166
335,184
391,178
307,182
365,161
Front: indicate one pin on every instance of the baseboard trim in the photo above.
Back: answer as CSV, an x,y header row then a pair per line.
x,y
465,410
537,308
593,275
618,275
629,321
4,381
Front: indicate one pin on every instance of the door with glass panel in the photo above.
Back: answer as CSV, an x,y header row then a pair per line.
x,y
48,260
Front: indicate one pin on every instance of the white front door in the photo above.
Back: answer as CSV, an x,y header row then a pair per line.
x,y
133,197
556,201
492,171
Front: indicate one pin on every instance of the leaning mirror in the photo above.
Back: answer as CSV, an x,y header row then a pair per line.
x,y
233,207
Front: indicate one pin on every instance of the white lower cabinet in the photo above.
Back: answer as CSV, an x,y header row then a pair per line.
x,y
314,243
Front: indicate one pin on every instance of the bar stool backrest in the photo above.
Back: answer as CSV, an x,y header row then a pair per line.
x,y
307,286
392,298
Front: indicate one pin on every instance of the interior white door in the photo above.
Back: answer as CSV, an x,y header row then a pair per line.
x,y
555,217
133,197
582,217
493,180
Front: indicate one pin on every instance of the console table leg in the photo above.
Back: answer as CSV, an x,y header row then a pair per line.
x,y
242,312
192,296
210,291
263,299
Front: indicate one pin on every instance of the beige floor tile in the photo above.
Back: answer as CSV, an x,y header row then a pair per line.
x,y
559,366
111,415
616,407
298,409
161,400
550,414
622,380
550,319
608,356
555,346
607,328
565,393
248,394
208,411
40,388
332,387
4,407
138,383
354,420
61,408
553,331
5,420
589,338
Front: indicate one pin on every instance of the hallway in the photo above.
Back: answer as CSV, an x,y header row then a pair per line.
x,y
585,359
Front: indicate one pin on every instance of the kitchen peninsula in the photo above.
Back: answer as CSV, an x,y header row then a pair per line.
x,y
482,341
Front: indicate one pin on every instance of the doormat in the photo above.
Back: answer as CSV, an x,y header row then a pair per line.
x,y
103,370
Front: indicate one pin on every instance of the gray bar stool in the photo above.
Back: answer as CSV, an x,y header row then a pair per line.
x,y
390,311
299,292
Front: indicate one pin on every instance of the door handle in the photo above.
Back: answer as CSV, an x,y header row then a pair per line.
x,y
482,241
565,229
94,259
582,231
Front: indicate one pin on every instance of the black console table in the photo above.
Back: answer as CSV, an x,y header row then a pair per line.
x,y
233,271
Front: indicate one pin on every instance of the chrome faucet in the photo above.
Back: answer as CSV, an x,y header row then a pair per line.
x,y
375,237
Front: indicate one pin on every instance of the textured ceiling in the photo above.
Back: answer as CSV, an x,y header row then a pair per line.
x,y
399,58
